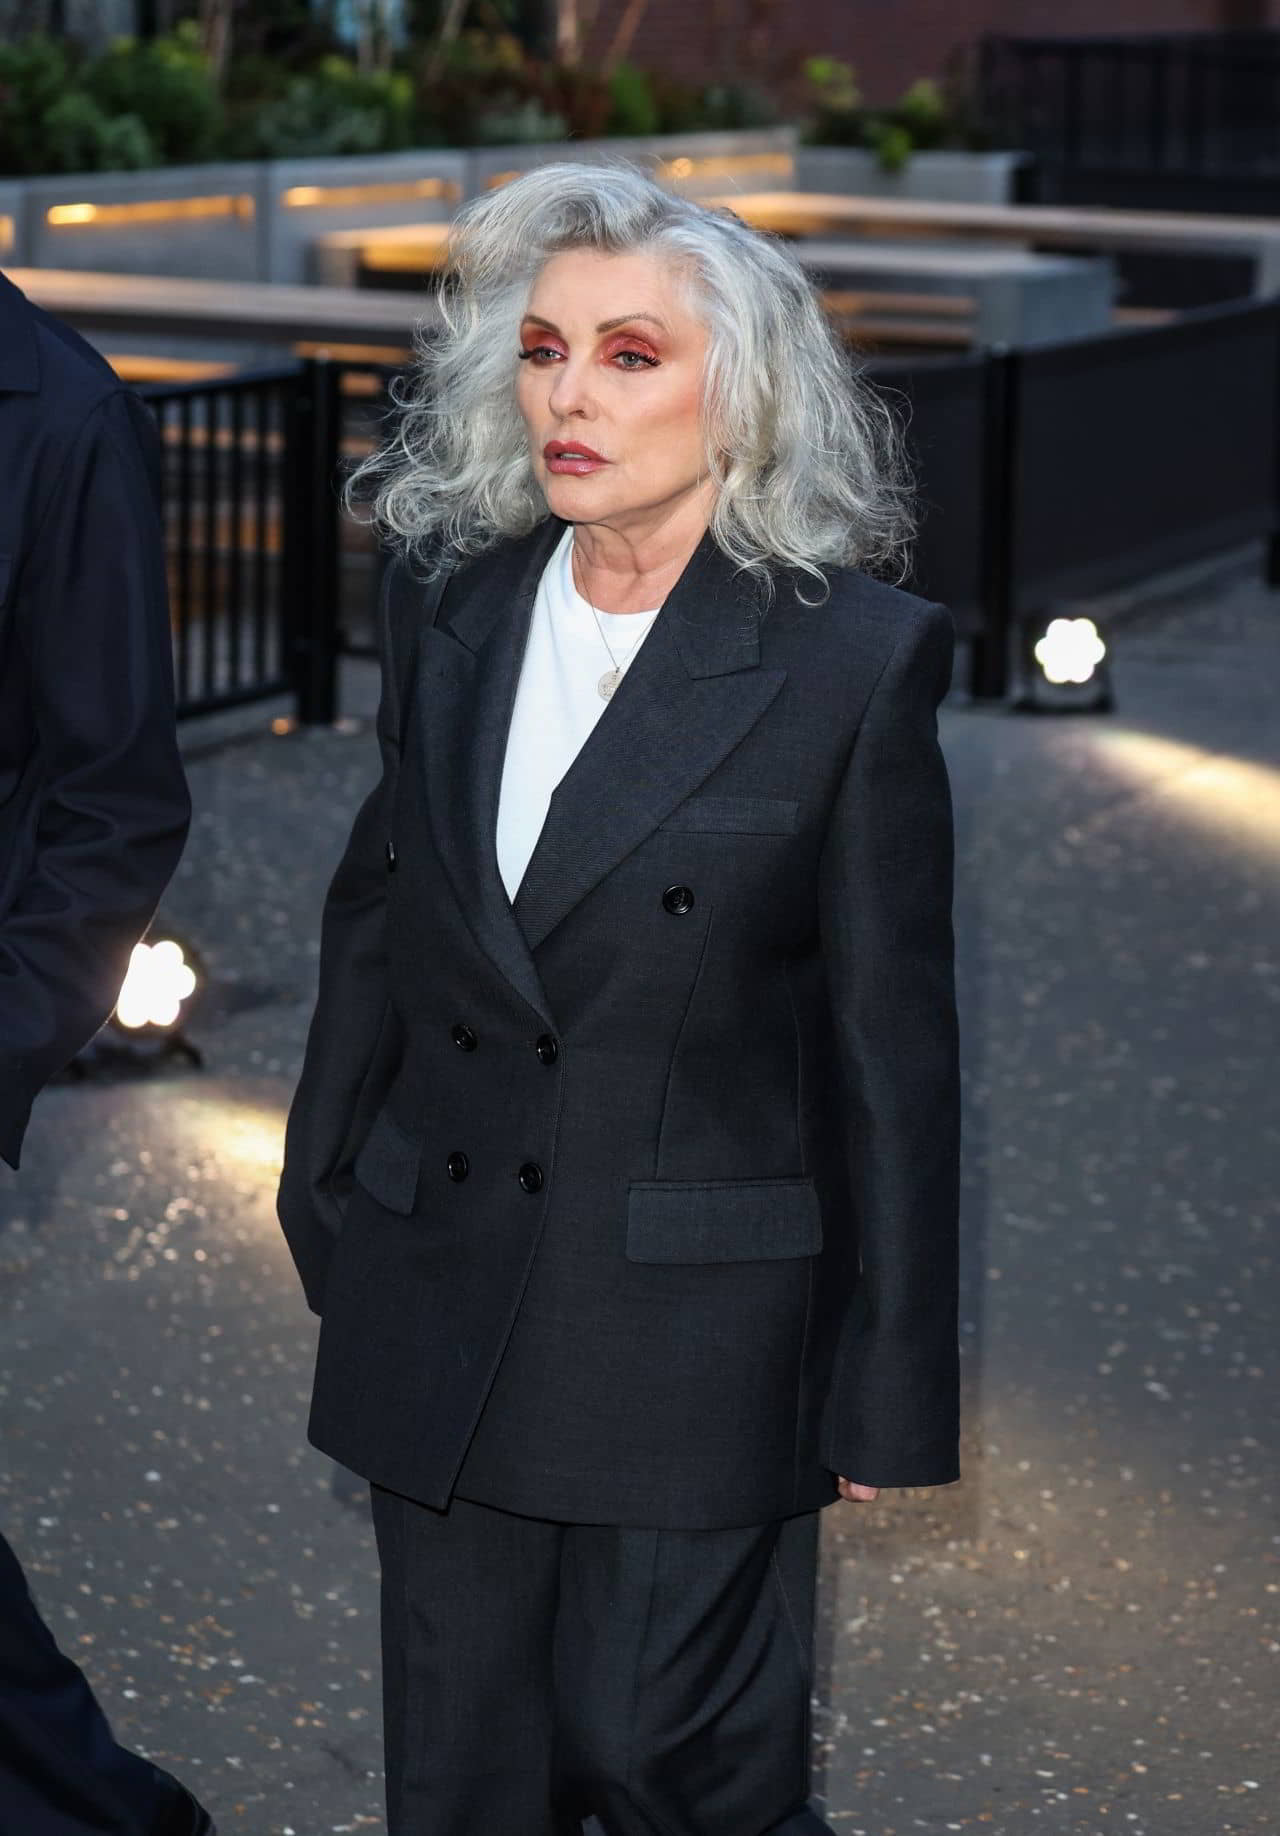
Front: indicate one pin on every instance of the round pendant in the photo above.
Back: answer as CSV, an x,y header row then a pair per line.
x,y
608,682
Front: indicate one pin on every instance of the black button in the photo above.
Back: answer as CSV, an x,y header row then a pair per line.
x,y
530,1176
678,900
547,1049
458,1165
391,857
463,1037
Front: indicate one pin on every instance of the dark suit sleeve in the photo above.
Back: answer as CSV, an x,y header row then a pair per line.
x,y
892,1413
91,625
353,1038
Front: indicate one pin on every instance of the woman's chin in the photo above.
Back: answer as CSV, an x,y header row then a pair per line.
x,y
575,499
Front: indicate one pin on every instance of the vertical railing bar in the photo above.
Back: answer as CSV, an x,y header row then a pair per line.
x,y
184,548
235,533
989,652
263,396
209,573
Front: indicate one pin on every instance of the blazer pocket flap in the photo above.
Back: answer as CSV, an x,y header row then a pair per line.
x,y
737,815
722,1220
387,1165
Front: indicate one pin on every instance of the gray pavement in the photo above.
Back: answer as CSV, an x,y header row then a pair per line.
x,y
1080,1637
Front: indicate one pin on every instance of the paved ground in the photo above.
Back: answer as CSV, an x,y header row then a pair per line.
x,y
1080,1637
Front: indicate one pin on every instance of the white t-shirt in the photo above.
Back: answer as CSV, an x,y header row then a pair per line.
x,y
557,702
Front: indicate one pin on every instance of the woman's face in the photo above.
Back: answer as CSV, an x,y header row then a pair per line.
x,y
609,385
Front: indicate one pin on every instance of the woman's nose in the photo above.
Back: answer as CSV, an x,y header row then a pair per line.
x,y
569,392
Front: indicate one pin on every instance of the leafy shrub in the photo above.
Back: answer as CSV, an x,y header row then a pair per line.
x,y
732,107
80,137
487,92
331,109
168,85
836,113
679,104
635,107
924,116
34,76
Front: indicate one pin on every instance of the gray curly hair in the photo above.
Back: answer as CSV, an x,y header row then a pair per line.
x,y
807,458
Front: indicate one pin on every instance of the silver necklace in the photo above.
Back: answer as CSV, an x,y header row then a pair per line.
x,y
611,677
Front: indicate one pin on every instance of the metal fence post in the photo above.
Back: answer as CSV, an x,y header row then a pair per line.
x,y
311,540
1271,560
989,652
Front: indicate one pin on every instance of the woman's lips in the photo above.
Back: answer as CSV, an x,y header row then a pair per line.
x,y
577,461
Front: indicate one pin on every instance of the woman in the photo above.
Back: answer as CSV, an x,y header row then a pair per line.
x,y
623,1168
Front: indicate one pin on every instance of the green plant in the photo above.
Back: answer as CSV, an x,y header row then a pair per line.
x,y
679,104
833,103
925,111
925,116
833,85
486,92
168,85
635,107
80,137
892,143
331,109
34,75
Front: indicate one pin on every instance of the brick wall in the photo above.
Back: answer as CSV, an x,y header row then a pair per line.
x,y
889,42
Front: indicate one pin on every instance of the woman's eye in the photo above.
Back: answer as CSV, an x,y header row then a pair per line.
x,y
539,351
641,360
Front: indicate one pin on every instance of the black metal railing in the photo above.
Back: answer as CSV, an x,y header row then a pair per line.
x,y
1045,474
1195,103
263,567
227,447
1070,471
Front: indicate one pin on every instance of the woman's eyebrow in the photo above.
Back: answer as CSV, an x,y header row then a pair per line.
x,y
532,318
613,324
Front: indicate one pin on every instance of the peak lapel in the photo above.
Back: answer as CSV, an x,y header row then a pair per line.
x,y
693,691
469,667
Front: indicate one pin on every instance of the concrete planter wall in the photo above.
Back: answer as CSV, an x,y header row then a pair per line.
x,y
254,220
697,165
305,198
201,221
954,178
11,205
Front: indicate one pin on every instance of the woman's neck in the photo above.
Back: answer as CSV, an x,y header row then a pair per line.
x,y
620,570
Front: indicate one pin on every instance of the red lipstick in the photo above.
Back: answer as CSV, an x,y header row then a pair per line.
x,y
573,457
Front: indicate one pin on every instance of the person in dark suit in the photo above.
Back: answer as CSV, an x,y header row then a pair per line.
x,y
93,816
623,1167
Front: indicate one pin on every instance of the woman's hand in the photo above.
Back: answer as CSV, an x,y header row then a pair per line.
x,y
855,1493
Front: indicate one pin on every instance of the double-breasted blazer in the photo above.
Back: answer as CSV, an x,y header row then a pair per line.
x,y
93,801
635,1201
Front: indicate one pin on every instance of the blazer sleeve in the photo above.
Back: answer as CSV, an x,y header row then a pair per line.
x,y
352,1043
91,623
891,1416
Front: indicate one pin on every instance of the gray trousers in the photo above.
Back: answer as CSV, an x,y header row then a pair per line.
x,y
538,1673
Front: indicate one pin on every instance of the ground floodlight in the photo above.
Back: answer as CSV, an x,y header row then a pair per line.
x,y
1063,668
158,981
164,979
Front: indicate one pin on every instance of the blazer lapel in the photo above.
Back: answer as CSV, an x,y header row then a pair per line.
x,y
694,690
468,669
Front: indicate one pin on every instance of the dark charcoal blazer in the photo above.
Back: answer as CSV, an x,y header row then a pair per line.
x,y
701,1082
93,801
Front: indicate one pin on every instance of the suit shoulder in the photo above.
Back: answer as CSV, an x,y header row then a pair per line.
x,y
856,595
72,374
861,613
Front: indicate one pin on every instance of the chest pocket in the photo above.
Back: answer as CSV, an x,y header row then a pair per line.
x,y
734,816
